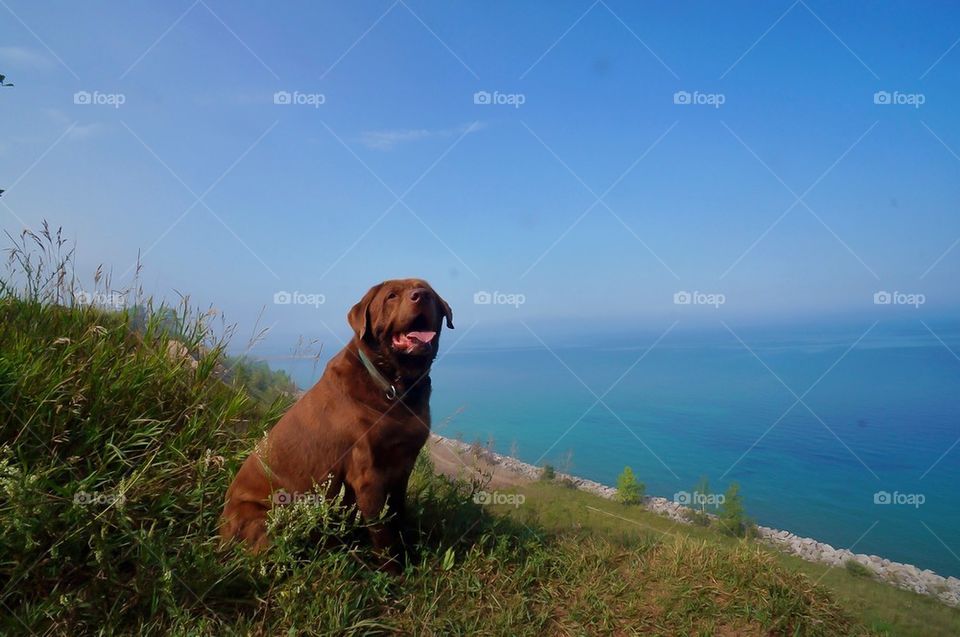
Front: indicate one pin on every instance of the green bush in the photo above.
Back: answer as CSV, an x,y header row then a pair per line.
x,y
732,518
696,517
567,483
256,377
629,491
856,568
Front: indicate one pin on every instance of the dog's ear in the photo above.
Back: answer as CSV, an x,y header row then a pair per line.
x,y
359,315
447,312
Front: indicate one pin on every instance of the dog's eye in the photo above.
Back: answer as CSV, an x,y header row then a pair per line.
x,y
391,296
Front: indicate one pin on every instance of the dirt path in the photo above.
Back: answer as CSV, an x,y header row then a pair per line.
x,y
451,461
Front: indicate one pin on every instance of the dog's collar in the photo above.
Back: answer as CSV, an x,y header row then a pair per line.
x,y
390,390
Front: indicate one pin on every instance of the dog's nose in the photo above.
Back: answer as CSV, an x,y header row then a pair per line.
x,y
417,293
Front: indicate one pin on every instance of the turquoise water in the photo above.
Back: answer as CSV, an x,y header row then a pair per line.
x,y
880,420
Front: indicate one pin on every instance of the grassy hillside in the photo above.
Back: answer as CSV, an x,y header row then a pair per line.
x,y
885,610
115,456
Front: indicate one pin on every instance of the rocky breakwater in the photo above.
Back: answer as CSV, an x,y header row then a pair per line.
x,y
906,576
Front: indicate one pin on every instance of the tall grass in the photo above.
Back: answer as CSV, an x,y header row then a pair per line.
x,y
116,454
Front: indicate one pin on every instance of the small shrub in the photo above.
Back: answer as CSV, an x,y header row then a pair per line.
x,y
697,518
629,491
483,452
702,489
733,517
857,569
548,472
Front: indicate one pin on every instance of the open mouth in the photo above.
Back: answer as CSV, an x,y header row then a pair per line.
x,y
417,338
414,342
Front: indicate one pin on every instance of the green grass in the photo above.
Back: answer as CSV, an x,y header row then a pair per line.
x,y
882,608
856,568
90,403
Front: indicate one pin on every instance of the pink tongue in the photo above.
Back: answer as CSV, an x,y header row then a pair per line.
x,y
423,337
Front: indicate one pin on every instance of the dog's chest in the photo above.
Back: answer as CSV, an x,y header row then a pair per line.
x,y
400,440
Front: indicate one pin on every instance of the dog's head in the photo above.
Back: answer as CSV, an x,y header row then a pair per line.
x,y
400,320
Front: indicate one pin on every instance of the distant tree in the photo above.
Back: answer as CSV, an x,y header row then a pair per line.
x,y
163,319
481,451
259,380
548,473
629,491
733,517
702,491
696,512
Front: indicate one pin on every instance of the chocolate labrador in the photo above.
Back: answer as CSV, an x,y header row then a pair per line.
x,y
360,427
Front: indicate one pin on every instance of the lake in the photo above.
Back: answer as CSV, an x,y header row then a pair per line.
x,y
866,459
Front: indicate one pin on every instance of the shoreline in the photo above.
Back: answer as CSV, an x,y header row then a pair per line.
x,y
905,576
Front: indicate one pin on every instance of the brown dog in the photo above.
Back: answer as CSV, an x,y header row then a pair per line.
x,y
361,426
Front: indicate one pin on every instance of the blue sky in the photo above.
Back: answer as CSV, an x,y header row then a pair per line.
x,y
597,198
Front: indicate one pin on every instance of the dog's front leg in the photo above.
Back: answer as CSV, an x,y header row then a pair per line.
x,y
371,492
371,498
